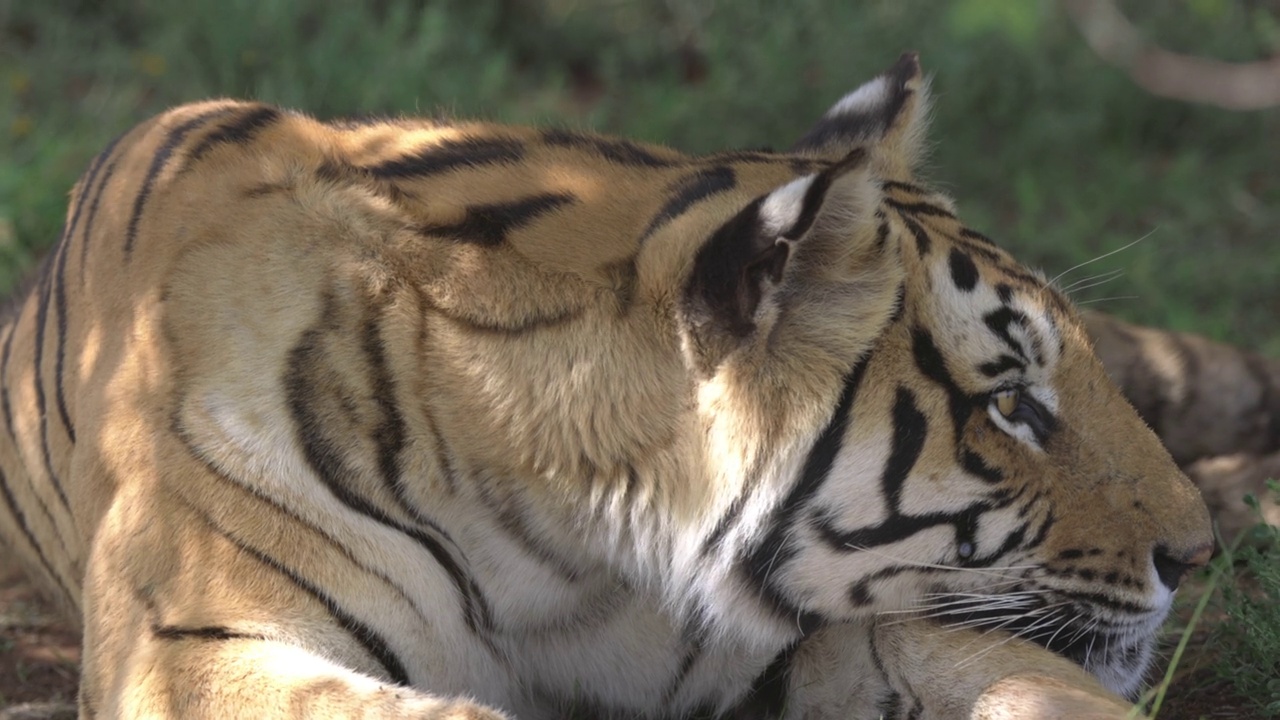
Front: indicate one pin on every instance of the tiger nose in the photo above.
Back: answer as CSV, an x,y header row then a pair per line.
x,y
1172,566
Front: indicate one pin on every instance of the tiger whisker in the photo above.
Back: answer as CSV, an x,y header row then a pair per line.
x,y
936,566
1122,248
1105,299
1087,285
1006,599
1091,281
1048,619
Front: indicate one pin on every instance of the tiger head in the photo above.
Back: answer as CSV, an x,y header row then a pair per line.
x,y
966,456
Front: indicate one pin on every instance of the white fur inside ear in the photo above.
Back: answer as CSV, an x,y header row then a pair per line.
x,y
780,211
868,98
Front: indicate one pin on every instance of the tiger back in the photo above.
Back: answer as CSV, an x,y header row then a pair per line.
x,y
415,418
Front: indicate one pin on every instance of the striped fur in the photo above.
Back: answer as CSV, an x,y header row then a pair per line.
x,y
427,419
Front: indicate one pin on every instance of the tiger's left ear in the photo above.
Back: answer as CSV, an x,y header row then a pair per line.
x,y
744,261
886,115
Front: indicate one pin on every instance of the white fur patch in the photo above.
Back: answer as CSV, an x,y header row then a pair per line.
x,y
867,98
780,211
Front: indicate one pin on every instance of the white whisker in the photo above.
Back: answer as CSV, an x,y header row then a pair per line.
x,y
1091,281
1086,286
935,566
1105,299
1122,248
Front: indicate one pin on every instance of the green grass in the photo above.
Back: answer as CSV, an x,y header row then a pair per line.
x,y
1248,640
1235,614
1048,149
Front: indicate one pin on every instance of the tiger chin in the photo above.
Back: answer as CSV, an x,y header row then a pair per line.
x,y
414,418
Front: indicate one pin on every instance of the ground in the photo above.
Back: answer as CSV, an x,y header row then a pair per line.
x,y
39,655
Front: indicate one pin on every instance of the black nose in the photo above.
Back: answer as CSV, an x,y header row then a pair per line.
x,y
1172,566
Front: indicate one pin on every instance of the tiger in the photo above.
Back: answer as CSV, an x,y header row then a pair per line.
x,y
398,417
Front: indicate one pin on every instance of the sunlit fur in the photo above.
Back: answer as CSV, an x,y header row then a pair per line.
x,y
405,418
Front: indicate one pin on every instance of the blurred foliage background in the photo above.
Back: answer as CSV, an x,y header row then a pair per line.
x,y
1047,148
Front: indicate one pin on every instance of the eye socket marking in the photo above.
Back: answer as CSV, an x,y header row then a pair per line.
x,y
1019,407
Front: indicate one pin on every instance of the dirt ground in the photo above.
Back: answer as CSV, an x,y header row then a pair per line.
x,y
39,656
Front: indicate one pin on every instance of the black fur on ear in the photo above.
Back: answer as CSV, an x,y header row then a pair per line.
x,y
749,253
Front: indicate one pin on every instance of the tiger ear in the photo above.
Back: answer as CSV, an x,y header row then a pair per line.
x,y
747,257
886,114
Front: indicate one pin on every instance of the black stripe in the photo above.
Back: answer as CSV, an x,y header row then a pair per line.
x,y
60,340
976,236
690,190
907,187
509,519
910,429
859,592
86,187
899,305
8,412
21,520
158,161
985,251
208,632
1001,365
998,321
180,431
893,529
239,132
367,637
93,213
329,465
968,533
687,663
774,551
468,153
726,521
44,290
882,230
769,692
964,274
817,192
4,375
517,326
918,207
932,365
975,465
389,431
763,156
621,152
923,243
488,225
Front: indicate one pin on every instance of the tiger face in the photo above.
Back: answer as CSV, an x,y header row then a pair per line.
x,y
979,468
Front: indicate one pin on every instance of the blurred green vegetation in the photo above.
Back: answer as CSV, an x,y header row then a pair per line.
x,y
1048,149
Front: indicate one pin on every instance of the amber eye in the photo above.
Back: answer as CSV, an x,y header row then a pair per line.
x,y
1007,401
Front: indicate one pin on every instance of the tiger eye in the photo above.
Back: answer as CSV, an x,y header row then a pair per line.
x,y
1007,401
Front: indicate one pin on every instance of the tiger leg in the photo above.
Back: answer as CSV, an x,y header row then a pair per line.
x,y
218,610
916,670
935,668
231,677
